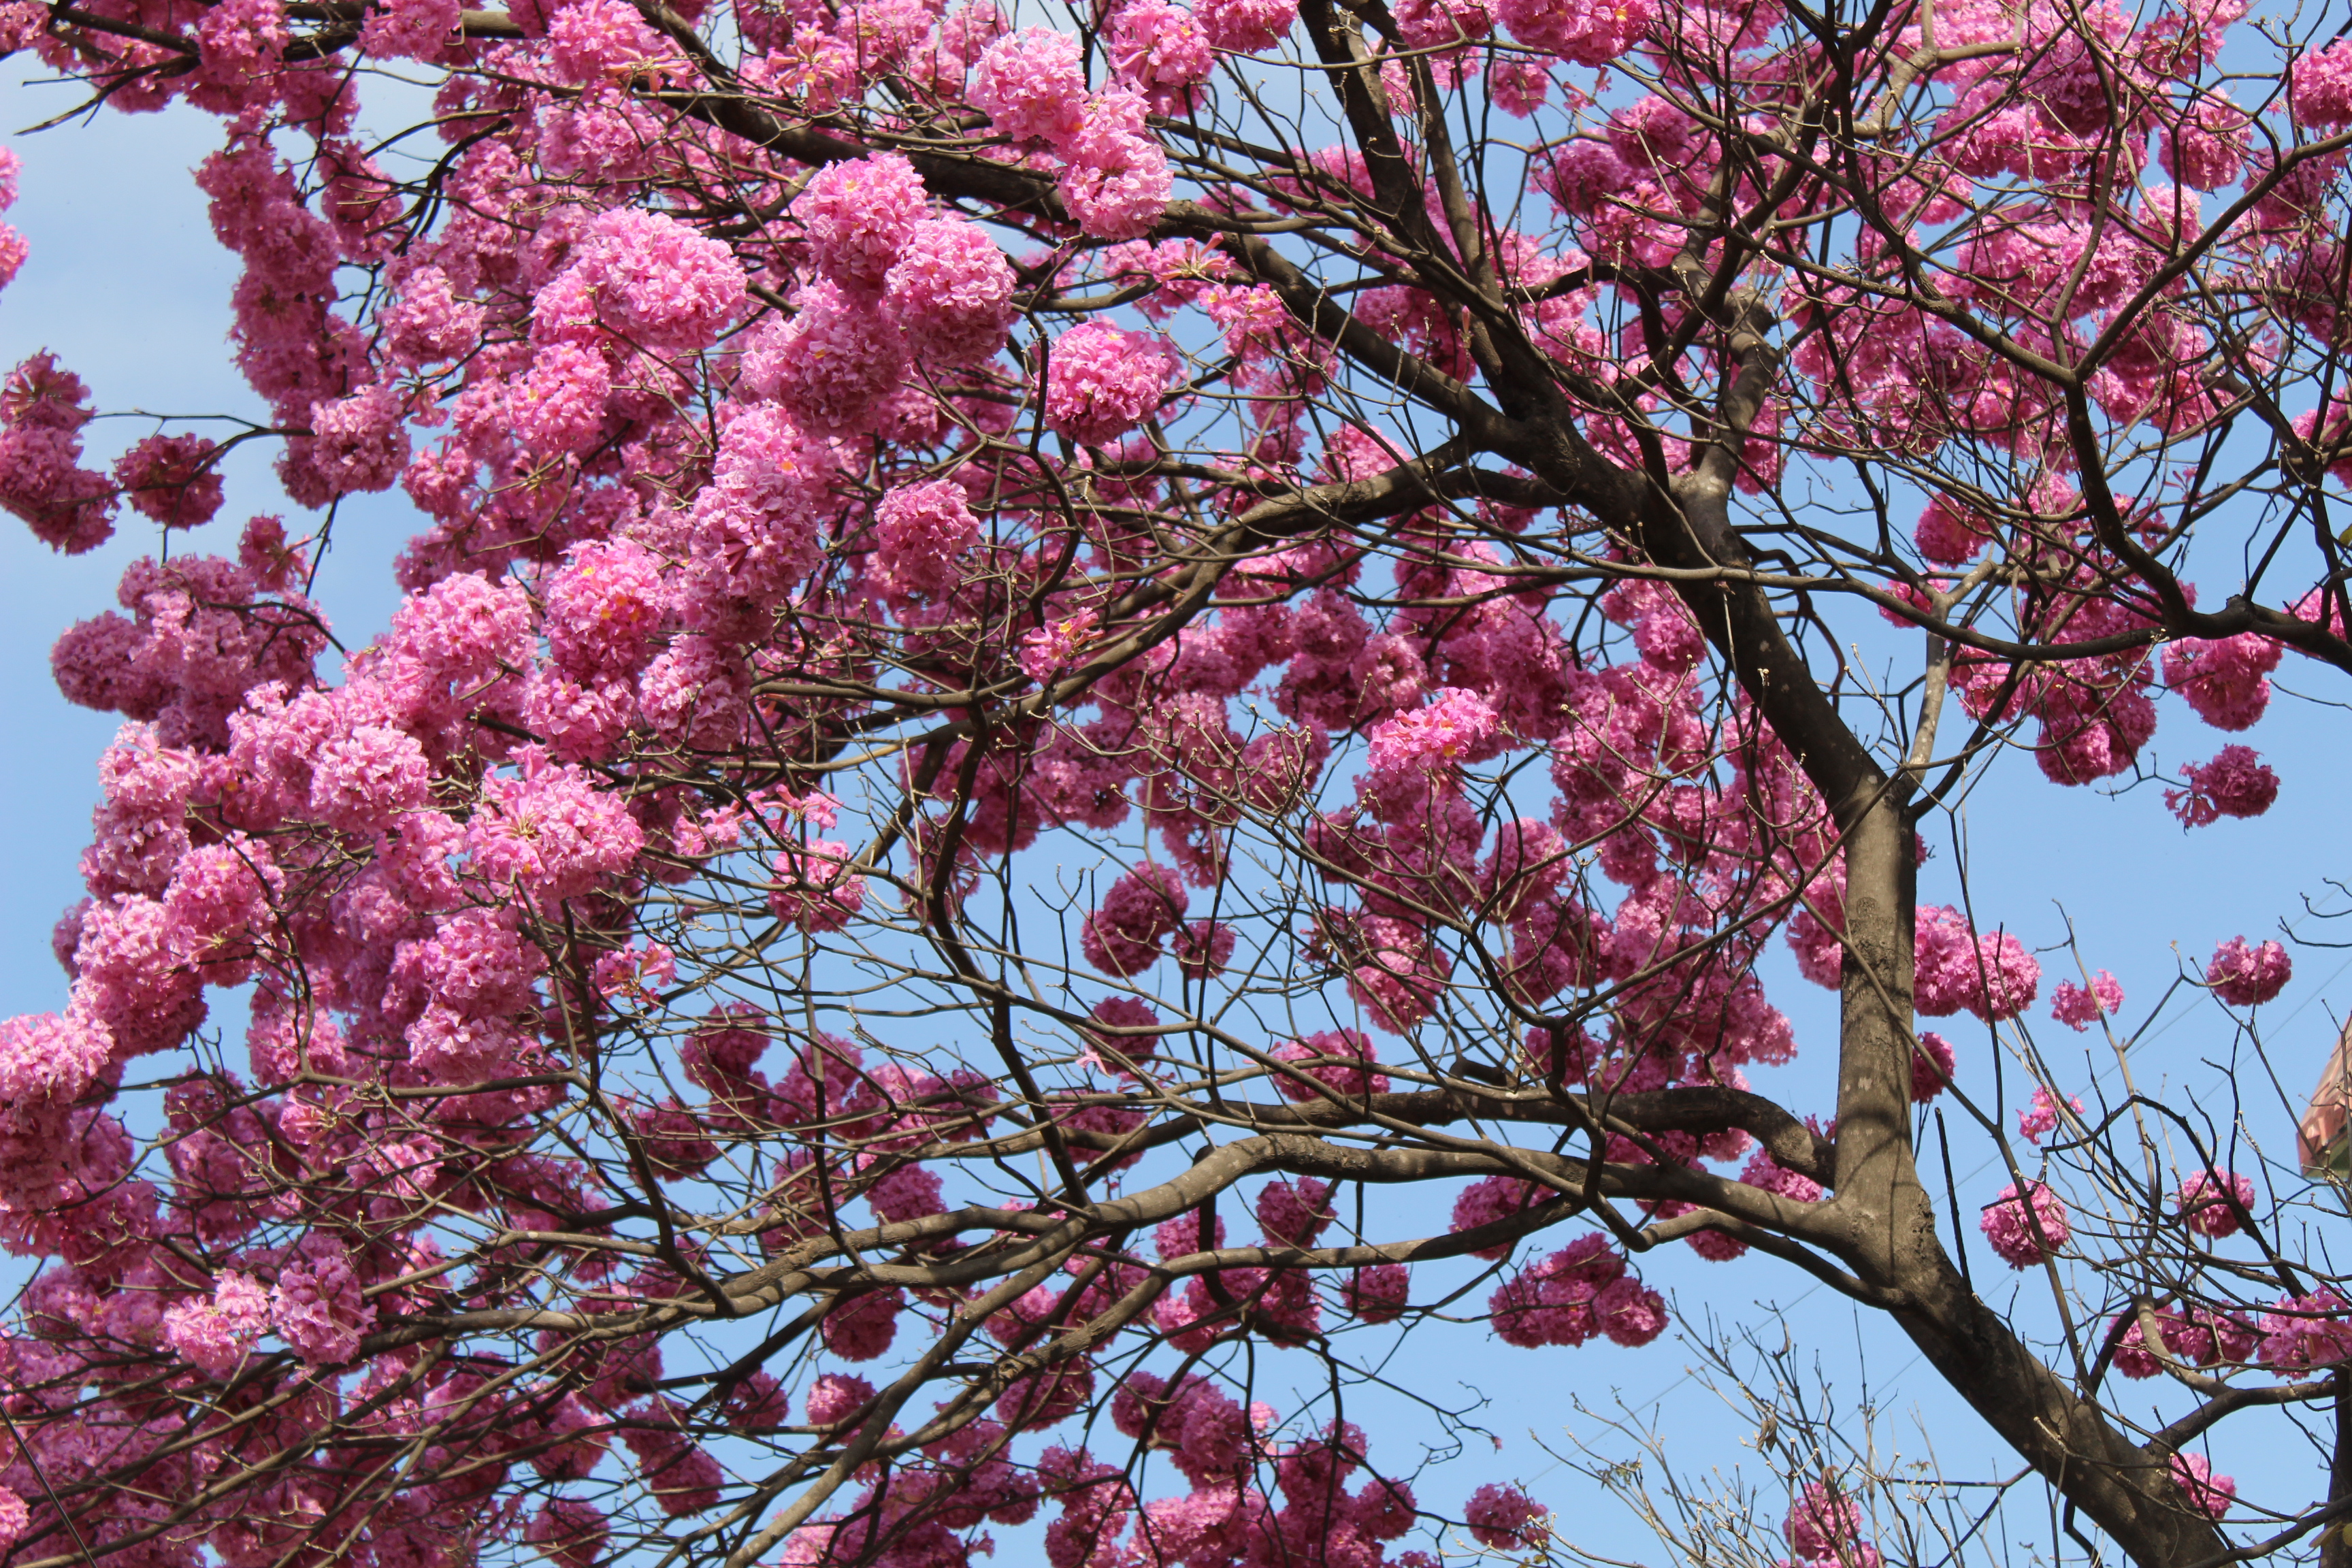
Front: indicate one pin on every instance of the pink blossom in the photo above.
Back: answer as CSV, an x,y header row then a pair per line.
x,y
2078,1007
1127,1014
2247,976
2209,1494
2236,783
1377,1294
1341,1059
2205,1202
590,39
171,478
317,1306
2023,1240
1495,1199
1124,933
1587,32
1056,646
1102,382
2319,87
1031,84
1457,726
1294,1214
859,215
214,1335
1948,535
569,1532
1504,1518
1247,27
2042,1118
950,292
860,1328
654,281
1931,1066
920,532
1991,975
635,971
551,834
816,887
1161,51
2226,681
833,365
836,1396
2301,1332
1114,176
1824,1524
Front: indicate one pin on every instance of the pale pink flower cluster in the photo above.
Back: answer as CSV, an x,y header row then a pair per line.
x,y
2246,976
1115,175
2080,1006
1991,975
2020,1237
2044,1116
1566,1298
2236,783
1824,1529
1102,382
2211,1201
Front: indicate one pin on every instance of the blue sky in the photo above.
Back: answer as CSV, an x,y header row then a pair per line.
x,y
126,285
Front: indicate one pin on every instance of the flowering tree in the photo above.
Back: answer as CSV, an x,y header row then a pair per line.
x,y
1055,658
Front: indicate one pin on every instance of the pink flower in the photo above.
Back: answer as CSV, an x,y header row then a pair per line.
x,y
859,215
2319,87
1824,1523
1947,535
1992,975
655,283
2226,681
1056,646
1102,382
833,365
317,1306
2306,1332
635,971
569,1532
2040,1119
836,1396
170,479
1457,726
1247,27
2209,1494
1140,912
861,1328
1031,84
1131,1015
1587,32
1504,1518
817,889
920,532
1931,1066
1161,51
590,39
2247,976
2205,1205
213,1336
950,292
1377,1294
1342,1059
2079,1008
2023,1240
2236,783
1115,177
